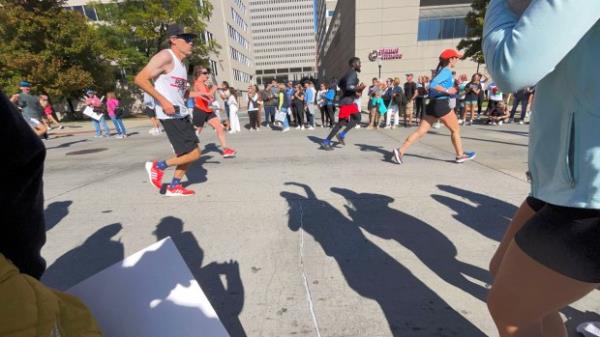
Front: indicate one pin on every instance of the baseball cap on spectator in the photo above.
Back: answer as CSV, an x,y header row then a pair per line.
x,y
450,53
24,84
90,92
179,30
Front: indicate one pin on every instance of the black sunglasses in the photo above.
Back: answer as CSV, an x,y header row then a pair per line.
x,y
186,38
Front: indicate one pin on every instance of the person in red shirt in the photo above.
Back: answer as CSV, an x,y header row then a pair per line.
x,y
203,112
48,112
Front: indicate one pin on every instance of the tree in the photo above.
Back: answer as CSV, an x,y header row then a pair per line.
x,y
472,44
54,48
138,28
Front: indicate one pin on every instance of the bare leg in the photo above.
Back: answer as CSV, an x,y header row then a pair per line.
x,y
451,122
421,131
185,159
154,122
216,124
40,130
526,296
523,214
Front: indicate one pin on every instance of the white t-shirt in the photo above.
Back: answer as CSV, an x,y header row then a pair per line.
x,y
497,96
251,106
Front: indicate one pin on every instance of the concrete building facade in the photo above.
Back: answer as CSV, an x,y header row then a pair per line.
x,y
283,32
418,30
229,26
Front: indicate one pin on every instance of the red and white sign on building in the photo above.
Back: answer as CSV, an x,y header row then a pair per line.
x,y
385,54
389,53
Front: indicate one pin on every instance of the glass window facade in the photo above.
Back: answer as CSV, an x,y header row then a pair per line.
x,y
442,29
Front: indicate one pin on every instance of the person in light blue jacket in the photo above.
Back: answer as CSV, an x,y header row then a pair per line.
x,y
550,255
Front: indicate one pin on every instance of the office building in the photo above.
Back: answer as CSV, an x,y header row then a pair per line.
x,y
284,39
401,36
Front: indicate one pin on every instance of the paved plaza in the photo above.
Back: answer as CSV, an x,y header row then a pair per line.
x,y
290,240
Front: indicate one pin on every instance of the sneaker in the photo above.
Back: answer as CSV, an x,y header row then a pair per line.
x,y
98,136
340,139
500,123
466,156
285,129
298,127
589,329
358,126
229,153
521,122
326,145
397,157
119,136
178,191
60,127
302,128
437,125
387,127
460,122
311,127
155,175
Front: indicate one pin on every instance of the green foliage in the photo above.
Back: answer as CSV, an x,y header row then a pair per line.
x,y
138,28
54,48
472,44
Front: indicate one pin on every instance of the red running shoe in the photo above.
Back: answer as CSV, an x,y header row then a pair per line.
x,y
155,175
229,153
179,191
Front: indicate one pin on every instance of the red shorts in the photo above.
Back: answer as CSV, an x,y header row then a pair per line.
x,y
347,110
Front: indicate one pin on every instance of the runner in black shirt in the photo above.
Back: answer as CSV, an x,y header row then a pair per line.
x,y
349,115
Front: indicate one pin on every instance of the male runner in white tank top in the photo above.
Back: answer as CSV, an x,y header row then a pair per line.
x,y
170,79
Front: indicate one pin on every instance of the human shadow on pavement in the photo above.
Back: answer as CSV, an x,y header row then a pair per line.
x,y
410,307
97,252
373,213
386,154
68,144
55,212
488,216
211,147
228,301
197,172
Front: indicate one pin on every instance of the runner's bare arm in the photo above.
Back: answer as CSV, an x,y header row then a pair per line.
x,y
159,64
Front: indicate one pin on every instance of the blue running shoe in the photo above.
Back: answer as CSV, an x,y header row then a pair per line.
x,y
466,156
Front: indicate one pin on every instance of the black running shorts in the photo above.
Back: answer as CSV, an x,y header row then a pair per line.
x,y
438,107
181,134
150,112
200,117
563,239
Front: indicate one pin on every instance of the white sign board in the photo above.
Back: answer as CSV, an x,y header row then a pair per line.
x,y
151,293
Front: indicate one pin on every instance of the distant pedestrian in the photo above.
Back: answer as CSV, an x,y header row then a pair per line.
x,y
149,110
411,93
253,107
114,112
234,108
100,125
30,108
49,112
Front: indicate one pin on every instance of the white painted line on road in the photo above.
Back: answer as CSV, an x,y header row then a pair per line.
x,y
306,287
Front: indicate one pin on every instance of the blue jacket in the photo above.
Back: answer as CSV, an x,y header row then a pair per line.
x,y
556,45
